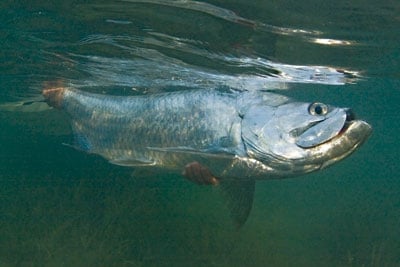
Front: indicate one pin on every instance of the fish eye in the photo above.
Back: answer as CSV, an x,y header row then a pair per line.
x,y
318,109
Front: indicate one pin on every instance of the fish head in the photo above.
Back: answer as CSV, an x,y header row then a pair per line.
x,y
301,136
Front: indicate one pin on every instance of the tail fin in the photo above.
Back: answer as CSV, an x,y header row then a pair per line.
x,y
36,104
51,98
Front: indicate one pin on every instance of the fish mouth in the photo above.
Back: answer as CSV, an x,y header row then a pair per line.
x,y
320,132
353,128
350,118
353,134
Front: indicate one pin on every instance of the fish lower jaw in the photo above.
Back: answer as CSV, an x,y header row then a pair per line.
x,y
352,136
357,130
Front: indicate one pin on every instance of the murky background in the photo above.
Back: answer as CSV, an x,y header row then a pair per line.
x,y
61,207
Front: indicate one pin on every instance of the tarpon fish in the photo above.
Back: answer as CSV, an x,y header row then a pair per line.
x,y
225,137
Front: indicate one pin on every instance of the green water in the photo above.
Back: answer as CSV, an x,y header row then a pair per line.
x,y
62,207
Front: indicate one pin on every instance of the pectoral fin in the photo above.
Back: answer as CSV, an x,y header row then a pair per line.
x,y
239,195
199,174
